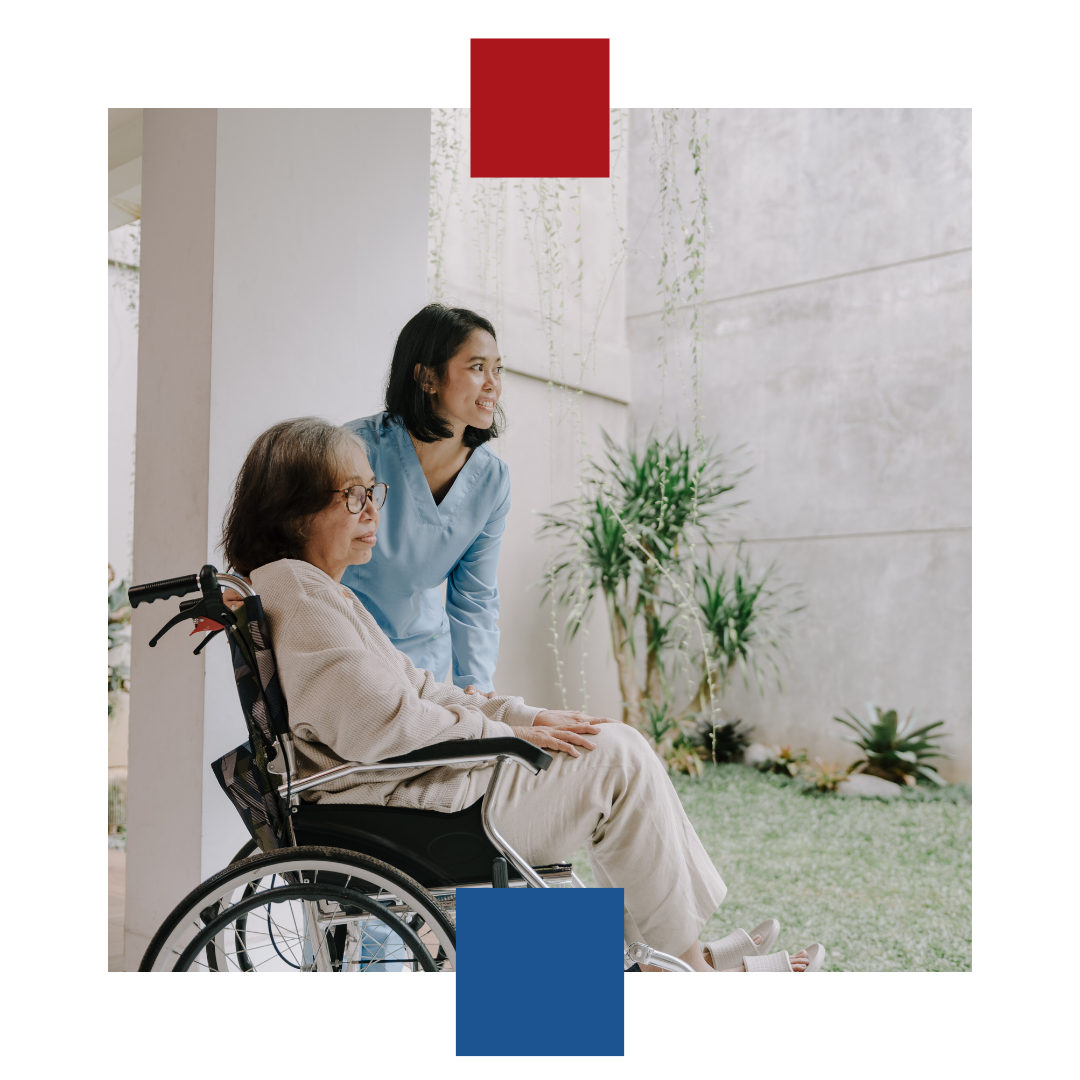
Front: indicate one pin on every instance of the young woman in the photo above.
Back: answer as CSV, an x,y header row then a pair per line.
x,y
450,498
304,509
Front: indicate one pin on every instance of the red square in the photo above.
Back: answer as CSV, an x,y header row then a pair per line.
x,y
540,107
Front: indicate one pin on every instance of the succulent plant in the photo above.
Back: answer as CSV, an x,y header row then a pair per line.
x,y
726,742
895,751
785,761
825,775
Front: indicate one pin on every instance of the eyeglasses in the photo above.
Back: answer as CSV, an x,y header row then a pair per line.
x,y
357,495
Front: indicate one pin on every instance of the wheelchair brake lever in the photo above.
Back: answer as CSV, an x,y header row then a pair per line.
x,y
196,610
180,617
202,644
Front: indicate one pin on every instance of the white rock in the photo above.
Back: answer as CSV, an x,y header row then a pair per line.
x,y
861,784
756,754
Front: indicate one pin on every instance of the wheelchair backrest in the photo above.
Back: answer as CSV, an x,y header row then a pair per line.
x,y
243,773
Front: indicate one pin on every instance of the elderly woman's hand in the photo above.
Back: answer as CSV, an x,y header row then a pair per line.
x,y
564,738
563,717
232,599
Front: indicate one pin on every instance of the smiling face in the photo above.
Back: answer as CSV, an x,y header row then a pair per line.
x,y
471,384
336,538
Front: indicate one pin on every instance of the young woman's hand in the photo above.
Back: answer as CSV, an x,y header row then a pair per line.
x,y
563,739
563,717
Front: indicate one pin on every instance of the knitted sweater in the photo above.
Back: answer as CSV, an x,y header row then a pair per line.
x,y
353,697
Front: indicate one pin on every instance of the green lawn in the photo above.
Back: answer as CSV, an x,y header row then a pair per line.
x,y
884,885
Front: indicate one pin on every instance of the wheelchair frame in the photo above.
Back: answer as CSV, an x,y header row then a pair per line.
x,y
287,794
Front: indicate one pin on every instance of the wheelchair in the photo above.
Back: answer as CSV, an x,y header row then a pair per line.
x,y
339,887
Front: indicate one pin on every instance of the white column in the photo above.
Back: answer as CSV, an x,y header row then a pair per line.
x,y
314,224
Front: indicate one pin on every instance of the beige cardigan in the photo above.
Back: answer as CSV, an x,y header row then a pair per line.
x,y
353,697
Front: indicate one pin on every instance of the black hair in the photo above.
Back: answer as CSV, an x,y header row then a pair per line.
x,y
430,338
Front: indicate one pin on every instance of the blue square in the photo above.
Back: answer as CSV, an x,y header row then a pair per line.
x,y
523,952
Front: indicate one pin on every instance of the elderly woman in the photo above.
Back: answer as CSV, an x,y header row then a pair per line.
x,y
306,507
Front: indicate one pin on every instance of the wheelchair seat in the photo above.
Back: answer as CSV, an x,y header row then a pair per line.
x,y
437,848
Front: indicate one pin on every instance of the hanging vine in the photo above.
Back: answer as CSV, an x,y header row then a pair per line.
x,y
447,149
488,228
696,242
541,211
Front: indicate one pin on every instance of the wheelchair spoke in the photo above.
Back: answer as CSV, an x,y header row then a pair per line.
x,y
263,963
296,929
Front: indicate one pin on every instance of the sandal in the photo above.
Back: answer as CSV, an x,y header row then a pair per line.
x,y
780,961
728,952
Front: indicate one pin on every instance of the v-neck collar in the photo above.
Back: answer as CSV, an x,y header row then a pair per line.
x,y
436,513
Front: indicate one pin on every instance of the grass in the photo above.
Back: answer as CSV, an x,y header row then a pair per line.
x,y
885,885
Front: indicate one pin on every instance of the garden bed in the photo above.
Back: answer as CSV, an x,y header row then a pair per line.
x,y
885,885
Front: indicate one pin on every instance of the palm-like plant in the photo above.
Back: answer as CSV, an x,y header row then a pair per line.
x,y
597,558
741,615
658,725
636,535
895,751
635,524
665,493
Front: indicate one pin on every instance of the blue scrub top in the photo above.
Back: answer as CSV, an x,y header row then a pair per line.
x,y
421,545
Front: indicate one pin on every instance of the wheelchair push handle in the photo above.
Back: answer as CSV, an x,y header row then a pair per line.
x,y
209,612
162,590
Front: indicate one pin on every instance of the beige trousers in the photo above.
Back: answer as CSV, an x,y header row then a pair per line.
x,y
619,802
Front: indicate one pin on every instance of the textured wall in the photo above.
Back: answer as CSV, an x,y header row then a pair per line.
x,y
838,352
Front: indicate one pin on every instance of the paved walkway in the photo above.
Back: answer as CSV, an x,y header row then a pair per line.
x,y
117,874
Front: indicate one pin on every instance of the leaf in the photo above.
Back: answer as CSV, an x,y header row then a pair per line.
x,y
929,727
854,727
930,774
887,720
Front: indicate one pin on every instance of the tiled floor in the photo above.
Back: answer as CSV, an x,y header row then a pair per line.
x,y
117,871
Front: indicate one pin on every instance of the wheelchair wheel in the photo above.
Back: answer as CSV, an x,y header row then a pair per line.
x,y
305,909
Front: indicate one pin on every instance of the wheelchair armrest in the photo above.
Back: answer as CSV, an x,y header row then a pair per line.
x,y
454,752
475,748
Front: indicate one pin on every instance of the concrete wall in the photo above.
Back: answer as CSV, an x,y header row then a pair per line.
x,y
499,259
838,350
282,252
